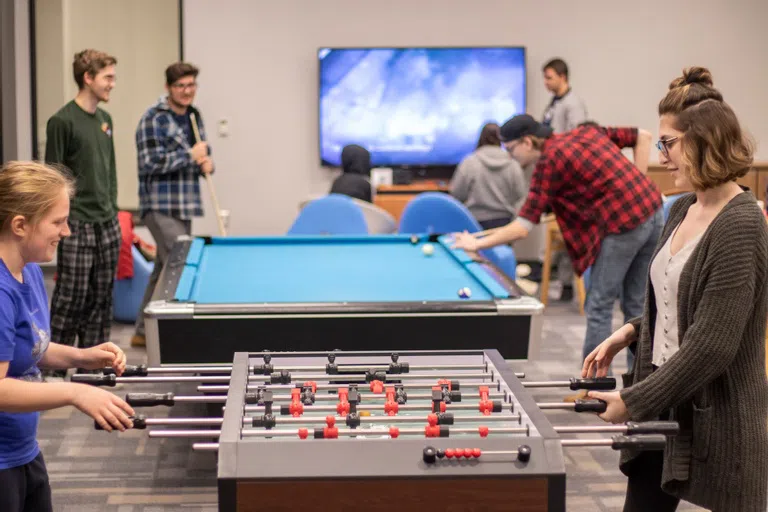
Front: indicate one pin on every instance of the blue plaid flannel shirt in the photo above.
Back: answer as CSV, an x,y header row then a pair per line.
x,y
168,177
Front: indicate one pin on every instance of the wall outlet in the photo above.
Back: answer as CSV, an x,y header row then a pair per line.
x,y
223,128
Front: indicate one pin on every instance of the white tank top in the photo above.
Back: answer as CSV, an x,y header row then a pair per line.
x,y
665,276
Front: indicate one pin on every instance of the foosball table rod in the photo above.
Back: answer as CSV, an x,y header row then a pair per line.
x,y
205,447
170,399
376,387
603,383
111,380
432,455
285,377
483,406
353,420
668,428
643,442
141,422
334,432
395,367
266,369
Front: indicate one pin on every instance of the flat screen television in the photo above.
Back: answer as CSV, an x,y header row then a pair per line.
x,y
415,107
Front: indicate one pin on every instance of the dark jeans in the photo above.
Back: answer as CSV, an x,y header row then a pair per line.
x,y
495,223
620,272
26,488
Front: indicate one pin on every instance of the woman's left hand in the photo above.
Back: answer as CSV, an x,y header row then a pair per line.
x,y
101,356
616,411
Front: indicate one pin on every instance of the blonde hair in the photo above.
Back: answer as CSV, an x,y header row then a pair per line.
x,y
30,189
714,146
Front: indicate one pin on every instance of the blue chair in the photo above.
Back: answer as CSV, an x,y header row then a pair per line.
x,y
437,212
334,214
668,201
127,293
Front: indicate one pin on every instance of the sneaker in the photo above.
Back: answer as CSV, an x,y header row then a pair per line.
x,y
536,273
138,340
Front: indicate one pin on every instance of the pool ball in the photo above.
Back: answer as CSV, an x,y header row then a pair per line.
x,y
465,293
428,249
414,239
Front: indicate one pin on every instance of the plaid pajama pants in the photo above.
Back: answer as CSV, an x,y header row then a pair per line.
x,y
82,298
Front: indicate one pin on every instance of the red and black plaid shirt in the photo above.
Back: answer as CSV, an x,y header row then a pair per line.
x,y
592,188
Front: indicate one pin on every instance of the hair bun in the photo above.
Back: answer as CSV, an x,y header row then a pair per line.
x,y
693,75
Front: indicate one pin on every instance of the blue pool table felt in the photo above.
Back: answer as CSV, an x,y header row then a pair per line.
x,y
312,269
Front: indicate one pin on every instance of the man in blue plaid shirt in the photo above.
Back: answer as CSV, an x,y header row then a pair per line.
x,y
170,162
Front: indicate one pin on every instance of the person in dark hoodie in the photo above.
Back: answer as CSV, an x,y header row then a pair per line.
x,y
490,182
356,170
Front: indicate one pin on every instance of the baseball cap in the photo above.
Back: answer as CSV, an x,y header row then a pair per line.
x,y
522,125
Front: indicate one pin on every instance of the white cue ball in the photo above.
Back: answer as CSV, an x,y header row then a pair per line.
x,y
428,249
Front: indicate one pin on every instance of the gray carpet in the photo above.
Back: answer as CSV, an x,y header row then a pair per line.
x,y
93,471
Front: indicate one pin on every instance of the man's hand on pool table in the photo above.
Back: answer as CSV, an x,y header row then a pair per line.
x,y
515,230
465,241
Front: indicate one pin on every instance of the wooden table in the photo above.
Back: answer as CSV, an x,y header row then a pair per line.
x,y
554,242
393,198
756,179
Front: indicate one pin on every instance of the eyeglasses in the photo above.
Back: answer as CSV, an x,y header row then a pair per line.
x,y
664,144
510,146
184,87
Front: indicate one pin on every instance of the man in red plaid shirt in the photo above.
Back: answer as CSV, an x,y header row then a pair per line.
x,y
608,210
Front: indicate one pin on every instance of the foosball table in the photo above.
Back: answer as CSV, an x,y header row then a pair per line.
x,y
436,430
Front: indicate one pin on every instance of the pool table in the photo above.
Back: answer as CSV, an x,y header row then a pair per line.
x,y
218,296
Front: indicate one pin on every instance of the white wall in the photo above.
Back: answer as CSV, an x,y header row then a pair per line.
x,y
258,62
53,67
144,37
15,92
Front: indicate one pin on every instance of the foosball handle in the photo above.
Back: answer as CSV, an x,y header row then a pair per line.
x,y
597,384
139,422
589,405
640,442
524,453
131,370
95,379
669,428
149,399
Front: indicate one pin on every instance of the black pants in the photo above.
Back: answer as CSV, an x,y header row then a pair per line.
x,y
644,485
495,223
26,488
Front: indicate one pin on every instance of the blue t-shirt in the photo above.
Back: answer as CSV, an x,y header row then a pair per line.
x,y
24,337
185,123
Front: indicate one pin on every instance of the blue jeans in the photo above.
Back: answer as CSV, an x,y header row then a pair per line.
x,y
619,272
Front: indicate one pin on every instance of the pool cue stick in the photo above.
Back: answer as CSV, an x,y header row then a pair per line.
x,y
208,179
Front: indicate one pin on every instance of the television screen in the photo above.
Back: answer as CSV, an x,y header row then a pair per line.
x,y
415,106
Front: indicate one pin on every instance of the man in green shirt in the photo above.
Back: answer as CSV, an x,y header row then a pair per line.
x,y
79,137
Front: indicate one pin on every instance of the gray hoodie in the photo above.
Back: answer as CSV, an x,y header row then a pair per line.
x,y
490,183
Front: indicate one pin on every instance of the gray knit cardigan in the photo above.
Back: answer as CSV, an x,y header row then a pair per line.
x,y
715,386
